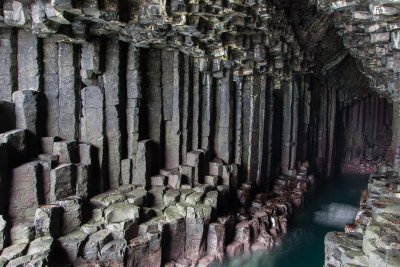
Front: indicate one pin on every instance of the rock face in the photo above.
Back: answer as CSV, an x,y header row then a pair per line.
x,y
149,133
176,218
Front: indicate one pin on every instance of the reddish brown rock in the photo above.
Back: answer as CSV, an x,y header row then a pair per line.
x,y
216,239
235,248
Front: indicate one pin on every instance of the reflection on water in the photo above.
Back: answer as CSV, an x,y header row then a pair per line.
x,y
335,214
329,209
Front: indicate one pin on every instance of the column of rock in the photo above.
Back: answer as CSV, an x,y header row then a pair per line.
x,y
27,116
238,117
69,89
196,93
263,132
51,86
92,130
313,129
223,115
8,66
206,106
294,125
152,104
113,111
395,146
269,109
134,96
24,191
331,130
246,126
133,103
304,117
287,98
258,81
171,94
91,59
255,128
187,103
321,132
28,61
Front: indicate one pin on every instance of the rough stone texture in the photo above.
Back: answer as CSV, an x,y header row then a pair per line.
x,y
26,110
22,231
24,191
67,151
143,167
92,130
70,245
113,112
62,182
48,221
83,181
72,214
68,97
95,243
8,70
51,86
28,61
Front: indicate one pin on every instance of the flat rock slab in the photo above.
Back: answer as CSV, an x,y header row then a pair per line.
x,y
121,212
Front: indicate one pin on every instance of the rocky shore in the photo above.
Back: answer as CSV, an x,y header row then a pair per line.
x,y
374,238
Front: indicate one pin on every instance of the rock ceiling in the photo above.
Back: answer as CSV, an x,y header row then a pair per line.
x,y
248,35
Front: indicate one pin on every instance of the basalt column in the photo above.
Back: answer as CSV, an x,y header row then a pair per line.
x,y
368,134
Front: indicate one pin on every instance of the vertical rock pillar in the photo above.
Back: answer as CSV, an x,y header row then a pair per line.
x,y
113,112
134,96
51,86
153,106
27,117
92,129
224,107
8,66
28,61
171,93
395,147
68,98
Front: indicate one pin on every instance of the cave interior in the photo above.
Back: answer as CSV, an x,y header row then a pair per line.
x,y
177,133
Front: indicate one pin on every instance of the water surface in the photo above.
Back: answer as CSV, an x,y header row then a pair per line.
x,y
328,209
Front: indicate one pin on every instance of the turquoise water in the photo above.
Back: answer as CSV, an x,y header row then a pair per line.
x,y
328,209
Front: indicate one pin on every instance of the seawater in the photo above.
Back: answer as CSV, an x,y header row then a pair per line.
x,y
328,209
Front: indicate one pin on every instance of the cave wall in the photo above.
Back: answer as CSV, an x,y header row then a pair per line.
x,y
113,95
159,140
351,125
367,135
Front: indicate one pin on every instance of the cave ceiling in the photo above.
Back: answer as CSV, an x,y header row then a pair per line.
x,y
313,36
368,31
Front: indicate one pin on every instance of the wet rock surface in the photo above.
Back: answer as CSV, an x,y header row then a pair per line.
x,y
372,240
